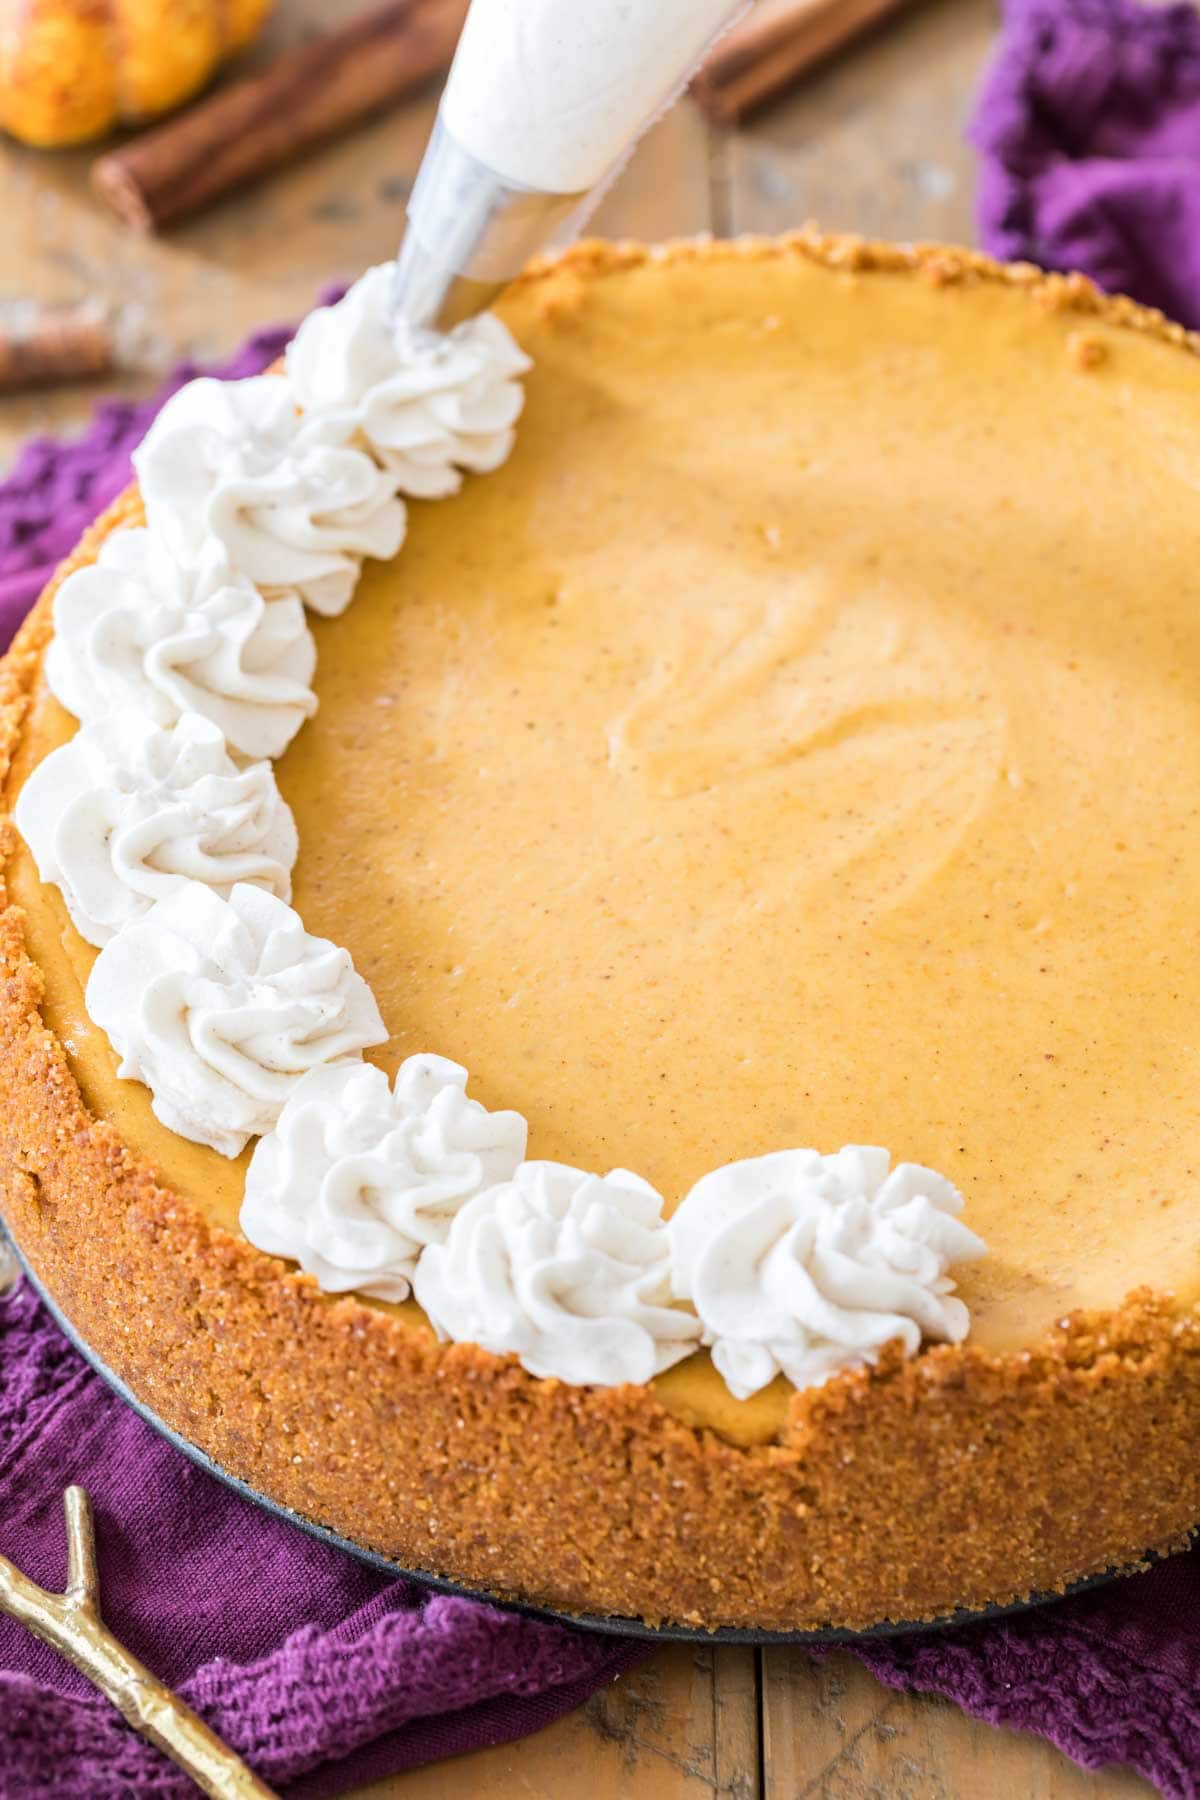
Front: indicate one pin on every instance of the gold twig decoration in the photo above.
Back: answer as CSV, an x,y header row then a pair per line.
x,y
71,1624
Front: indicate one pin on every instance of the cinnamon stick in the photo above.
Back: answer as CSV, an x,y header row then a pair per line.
x,y
308,95
777,43
44,344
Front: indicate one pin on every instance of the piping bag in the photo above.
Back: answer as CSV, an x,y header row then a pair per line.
x,y
544,102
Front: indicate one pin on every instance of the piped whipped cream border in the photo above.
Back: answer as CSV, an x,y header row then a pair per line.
x,y
172,847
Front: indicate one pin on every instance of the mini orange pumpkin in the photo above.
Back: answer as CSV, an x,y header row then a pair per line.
x,y
72,69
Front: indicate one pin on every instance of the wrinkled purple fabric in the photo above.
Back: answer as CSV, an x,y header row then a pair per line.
x,y
325,1673
322,1672
1088,126
1110,1676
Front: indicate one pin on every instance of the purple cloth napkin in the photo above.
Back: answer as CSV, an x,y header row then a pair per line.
x,y
321,1672
1088,125
325,1674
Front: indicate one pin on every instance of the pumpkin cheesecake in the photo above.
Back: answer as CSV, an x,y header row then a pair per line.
x,y
789,742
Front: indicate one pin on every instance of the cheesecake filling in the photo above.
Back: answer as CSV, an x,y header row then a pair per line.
x,y
794,1271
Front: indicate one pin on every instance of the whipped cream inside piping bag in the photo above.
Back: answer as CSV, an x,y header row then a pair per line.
x,y
550,93
544,100
184,650
127,811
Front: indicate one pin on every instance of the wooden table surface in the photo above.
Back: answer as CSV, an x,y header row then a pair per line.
x,y
872,143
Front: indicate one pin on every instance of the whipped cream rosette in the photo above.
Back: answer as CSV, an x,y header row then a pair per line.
x,y
427,406
138,630
294,504
221,1006
804,1264
127,811
568,1271
358,1176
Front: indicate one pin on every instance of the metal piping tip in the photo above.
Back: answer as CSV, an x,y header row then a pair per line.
x,y
469,232
428,295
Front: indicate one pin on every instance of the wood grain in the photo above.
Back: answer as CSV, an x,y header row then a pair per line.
x,y
773,46
830,1732
872,142
688,1724
682,1727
